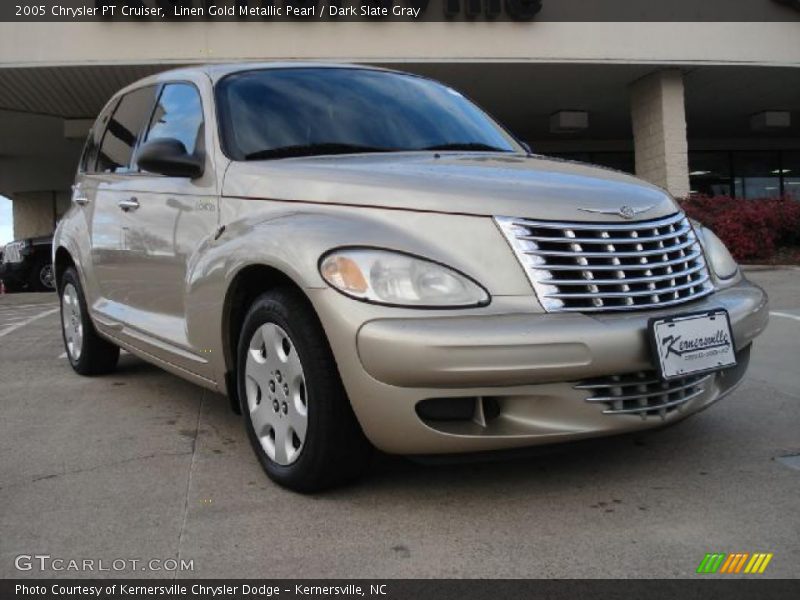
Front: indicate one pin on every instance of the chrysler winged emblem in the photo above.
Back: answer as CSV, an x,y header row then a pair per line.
x,y
626,212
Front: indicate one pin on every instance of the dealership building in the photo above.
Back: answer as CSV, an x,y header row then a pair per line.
x,y
708,107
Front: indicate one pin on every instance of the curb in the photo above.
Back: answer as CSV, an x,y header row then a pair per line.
x,y
770,267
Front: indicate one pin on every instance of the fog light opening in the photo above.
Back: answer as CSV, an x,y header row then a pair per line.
x,y
478,409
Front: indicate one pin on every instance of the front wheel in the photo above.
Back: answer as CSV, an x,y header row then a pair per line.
x,y
41,277
297,413
88,353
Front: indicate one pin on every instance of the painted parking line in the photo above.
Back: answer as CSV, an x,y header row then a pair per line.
x,y
13,314
12,328
775,313
19,314
6,310
16,321
4,306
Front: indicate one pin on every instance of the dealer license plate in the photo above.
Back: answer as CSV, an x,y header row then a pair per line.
x,y
692,343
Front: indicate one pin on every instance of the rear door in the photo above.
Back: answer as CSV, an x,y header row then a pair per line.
x,y
113,185
84,196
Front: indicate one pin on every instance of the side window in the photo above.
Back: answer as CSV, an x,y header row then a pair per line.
x,y
124,129
179,115
92,146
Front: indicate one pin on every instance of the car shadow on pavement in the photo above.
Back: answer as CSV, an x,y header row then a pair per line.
x,y
548,465
649,457
132,366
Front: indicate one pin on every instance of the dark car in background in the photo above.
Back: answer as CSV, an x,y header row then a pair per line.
x,y
27,264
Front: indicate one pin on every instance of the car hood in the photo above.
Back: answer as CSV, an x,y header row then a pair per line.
x,y
44,240
474,184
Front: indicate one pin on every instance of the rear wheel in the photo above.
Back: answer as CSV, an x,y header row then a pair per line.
x,y
88,353
297,413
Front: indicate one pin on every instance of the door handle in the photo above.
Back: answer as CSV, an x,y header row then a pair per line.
x,y
130,204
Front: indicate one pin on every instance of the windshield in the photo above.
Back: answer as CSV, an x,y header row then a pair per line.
x,y
277,113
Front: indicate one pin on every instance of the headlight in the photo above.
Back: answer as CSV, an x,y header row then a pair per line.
x,y
394,278
720,259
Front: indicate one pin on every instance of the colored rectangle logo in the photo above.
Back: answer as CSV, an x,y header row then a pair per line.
x,y
734,563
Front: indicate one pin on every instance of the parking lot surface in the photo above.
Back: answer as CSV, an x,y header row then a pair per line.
x,y
142,465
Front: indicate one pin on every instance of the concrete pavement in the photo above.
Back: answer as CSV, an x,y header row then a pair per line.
x,y
140,464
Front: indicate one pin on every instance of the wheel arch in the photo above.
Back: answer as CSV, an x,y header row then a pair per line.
x,y
62,261
249,282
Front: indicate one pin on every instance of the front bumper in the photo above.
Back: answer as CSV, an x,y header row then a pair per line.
x,y
527,363
14,272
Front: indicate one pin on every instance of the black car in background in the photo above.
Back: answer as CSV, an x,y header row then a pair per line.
x,y
27,264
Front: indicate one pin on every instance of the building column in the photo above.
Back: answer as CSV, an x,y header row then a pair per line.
x,y
36,213
659,131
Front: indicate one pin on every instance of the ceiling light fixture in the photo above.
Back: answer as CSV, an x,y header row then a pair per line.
x,y
771,119
569,121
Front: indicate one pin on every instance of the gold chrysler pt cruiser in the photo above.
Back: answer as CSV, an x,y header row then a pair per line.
x,y
361,258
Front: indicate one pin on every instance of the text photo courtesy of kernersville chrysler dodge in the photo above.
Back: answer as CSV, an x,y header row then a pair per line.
x,y
361,258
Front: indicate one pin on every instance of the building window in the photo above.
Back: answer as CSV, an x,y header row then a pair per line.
x,y
710,173
745,174
790,165
757,174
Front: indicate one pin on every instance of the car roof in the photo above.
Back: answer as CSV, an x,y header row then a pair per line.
x,y
216,71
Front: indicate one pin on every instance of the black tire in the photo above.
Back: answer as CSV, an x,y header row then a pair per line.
x,y
335,449
37,280
97,355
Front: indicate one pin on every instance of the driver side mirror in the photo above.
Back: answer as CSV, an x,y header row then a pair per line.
x,y
168,156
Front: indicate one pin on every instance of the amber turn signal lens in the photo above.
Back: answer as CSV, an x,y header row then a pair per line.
x,y
345,274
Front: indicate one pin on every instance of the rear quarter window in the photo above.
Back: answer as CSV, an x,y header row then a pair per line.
x,y
92,146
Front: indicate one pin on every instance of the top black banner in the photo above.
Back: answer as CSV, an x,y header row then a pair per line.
x,y
401,10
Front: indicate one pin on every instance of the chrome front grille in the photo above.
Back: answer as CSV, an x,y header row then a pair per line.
x,y
643,393
591,267
11,253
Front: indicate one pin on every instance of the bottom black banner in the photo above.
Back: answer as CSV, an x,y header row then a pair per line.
x,y
416,589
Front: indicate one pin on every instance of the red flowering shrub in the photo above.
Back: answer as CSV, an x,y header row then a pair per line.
x,y
752,229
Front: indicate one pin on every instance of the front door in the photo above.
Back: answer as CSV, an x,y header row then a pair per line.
x,y
166,219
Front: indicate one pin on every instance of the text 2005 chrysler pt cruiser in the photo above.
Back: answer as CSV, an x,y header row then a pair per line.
x,y
361,258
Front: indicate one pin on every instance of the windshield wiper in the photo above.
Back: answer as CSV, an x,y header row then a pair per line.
x,y
468,146
312,150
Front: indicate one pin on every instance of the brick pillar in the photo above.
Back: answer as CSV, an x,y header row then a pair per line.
x,y
659,131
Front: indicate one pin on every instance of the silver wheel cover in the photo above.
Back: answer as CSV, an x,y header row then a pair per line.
x,y
71,321
276,394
